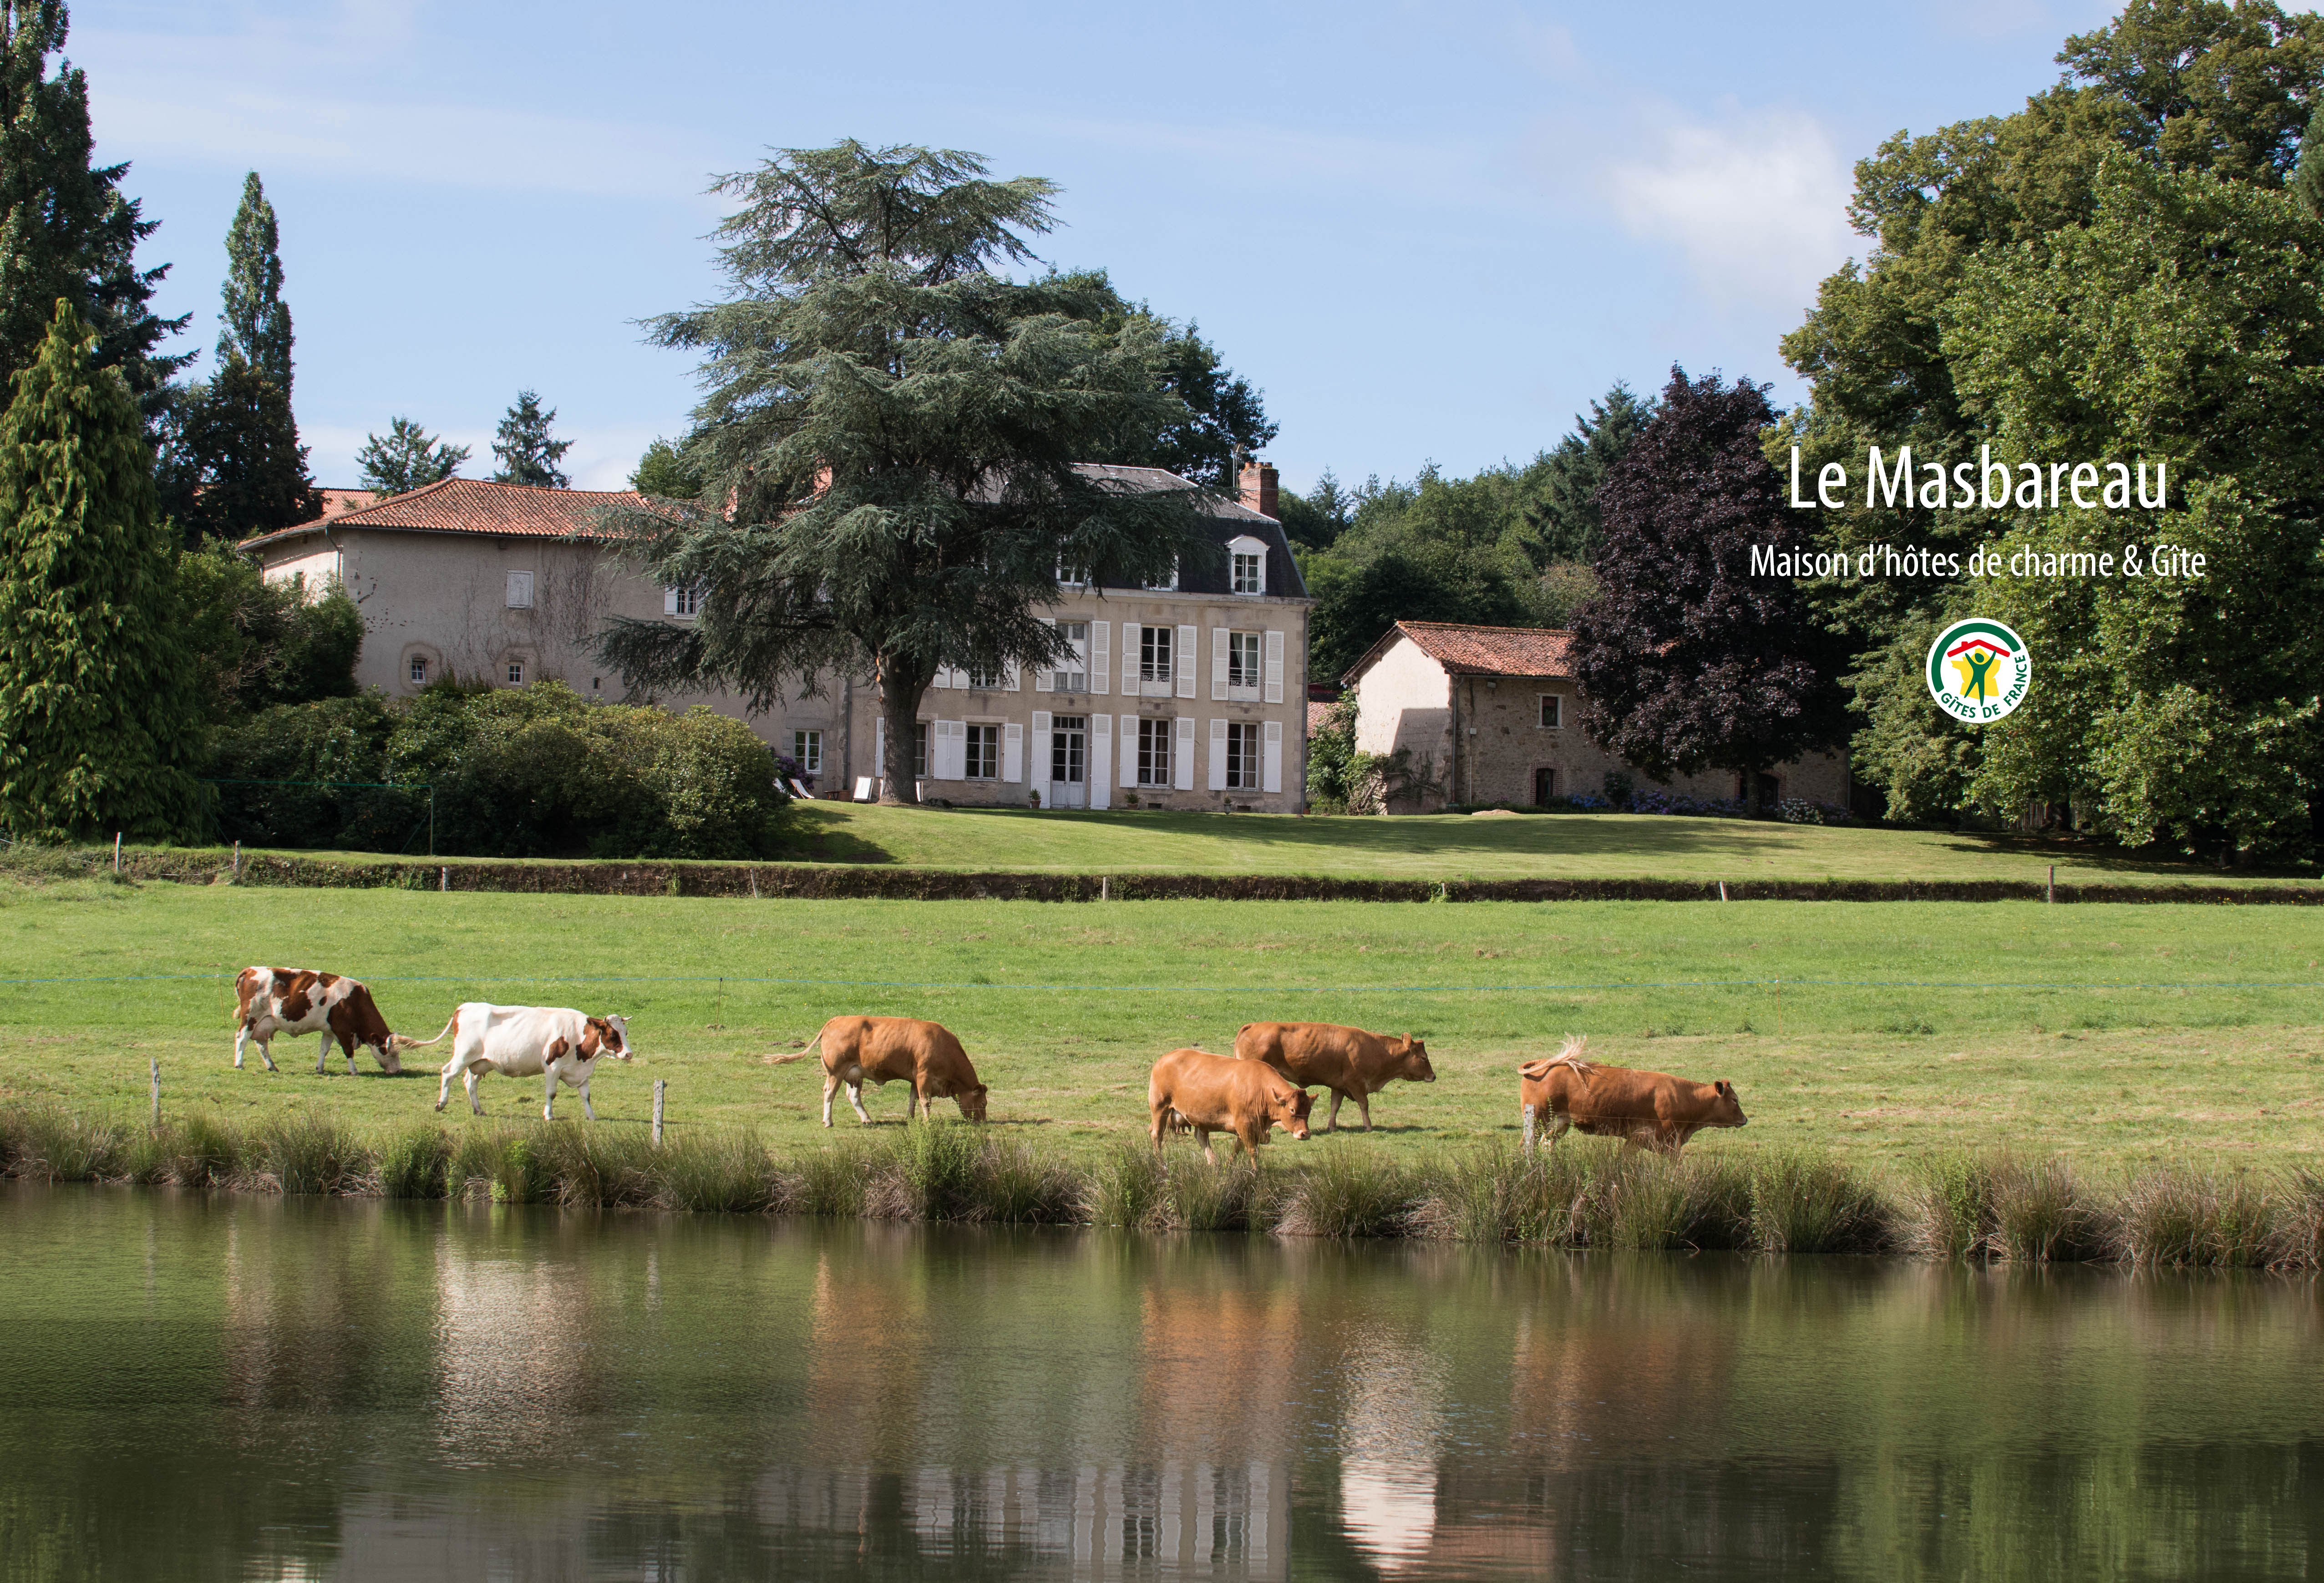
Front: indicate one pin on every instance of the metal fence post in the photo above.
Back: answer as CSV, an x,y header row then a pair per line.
x,y
1528,1128
660,1083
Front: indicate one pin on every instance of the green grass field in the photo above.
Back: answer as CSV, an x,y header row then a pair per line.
x,y
1879,1031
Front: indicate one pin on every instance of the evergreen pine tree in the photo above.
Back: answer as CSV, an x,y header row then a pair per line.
x,y
1565,519
96,712
66,231
527,453
256,324
407,457
231,462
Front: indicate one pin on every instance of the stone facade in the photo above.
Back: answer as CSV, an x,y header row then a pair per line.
x,y
1489,714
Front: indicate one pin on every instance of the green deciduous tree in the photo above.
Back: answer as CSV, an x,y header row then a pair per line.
x,y
66,231
253,644
231,462
664,473
897,427
1685,660
1221,420
255,323
528,452
98,721
407,457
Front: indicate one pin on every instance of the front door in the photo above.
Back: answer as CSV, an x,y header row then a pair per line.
x,y
1545,787
1069,762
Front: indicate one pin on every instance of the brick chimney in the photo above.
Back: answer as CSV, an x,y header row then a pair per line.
x,y
1258,488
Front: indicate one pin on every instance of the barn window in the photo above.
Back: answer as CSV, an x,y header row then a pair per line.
x,y
1553,711
516,673
419,670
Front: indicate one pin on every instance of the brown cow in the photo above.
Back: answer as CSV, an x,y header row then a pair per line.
x,y
1646,1109
1351,1063
857,1050
1208,1093
300,1001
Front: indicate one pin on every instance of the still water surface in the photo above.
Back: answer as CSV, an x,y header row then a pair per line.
x,y
234,1387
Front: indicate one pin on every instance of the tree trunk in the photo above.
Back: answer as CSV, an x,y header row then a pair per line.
x,y
1750,793
899,702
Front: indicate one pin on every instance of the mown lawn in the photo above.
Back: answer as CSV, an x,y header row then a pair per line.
x,y
1881,1030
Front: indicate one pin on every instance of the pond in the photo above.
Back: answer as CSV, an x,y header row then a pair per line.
x,y
242,1387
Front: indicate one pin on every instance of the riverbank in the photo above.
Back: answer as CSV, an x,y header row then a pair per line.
x,y
1581,1195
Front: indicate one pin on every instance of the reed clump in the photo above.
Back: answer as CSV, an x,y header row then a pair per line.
x,y
1997,1207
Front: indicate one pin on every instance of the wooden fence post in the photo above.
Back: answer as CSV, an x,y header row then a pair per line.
x,y
1528,1129
659,1084
1722,890
444,878
116,852
157,1091
237,862
1105,887
2050,891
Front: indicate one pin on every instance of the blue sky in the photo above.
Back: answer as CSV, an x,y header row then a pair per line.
x,y
1426,232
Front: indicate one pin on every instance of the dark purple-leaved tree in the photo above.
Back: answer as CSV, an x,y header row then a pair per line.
x,y
1686,661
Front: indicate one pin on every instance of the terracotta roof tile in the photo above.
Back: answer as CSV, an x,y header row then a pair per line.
x,y
473,505
1478,651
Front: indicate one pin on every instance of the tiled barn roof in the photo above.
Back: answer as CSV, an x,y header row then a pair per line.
x,y
473,505
1477,651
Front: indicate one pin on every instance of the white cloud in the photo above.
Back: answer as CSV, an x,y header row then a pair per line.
x,y
1756,205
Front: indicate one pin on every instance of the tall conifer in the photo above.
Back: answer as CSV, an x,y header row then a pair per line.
x,y
256,325
96,717
527,453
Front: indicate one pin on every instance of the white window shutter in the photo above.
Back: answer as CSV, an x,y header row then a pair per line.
x,y
1270,763
1128,752
880,749
669,601
1100,764
1045,680
958,757
1181,753
1008,677
1218,755
1012,752
1218,665
1037,774
943,678
1098,679
1274,667
1183,662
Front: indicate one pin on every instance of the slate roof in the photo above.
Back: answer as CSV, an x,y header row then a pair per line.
x,y
475,505
1229,519
1476,652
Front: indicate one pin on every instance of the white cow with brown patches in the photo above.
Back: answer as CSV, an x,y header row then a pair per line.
x,y
286,1002
550,1042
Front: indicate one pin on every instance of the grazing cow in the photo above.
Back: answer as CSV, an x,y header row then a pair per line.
x,y
292,1002
1351,1063
1207,1093
1645,1109
857,1050
550,1042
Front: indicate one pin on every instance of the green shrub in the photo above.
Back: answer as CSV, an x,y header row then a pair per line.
x,y
829,1181
307,1152
2180,1217
1346,1192
203,1151
475,1162
1126,1187
49,1144
721,1172
2040,1214
1949,1210
416,1163
1803,1204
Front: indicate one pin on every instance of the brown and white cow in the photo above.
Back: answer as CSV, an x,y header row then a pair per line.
x,y
292,1002
1351,1063
857,1050
552,1042
1207,1093
1645,1109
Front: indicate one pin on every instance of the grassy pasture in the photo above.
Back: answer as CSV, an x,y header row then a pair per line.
x,y
1881,1033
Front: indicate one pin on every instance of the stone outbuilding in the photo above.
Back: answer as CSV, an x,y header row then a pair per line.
x,y
1491,714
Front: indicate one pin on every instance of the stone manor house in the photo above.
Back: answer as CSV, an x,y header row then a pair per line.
x,y
1191,694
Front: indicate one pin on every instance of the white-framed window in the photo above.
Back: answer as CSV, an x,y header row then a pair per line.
x,y
686,603
520,590
1245,670
1247,565
982,753
419,670
1242,755
1070,576
1073,676
1154,654
1553,711
807,750
1154,752
516,673
983,681
919,750
1169,583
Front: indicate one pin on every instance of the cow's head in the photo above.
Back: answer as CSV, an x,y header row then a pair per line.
x,y
1287,1109
1726,1110
971,1102
1414,1055
606,1036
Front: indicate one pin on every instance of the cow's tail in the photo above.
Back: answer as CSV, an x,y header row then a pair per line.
x,y
800,1056
397,1043
1570,1056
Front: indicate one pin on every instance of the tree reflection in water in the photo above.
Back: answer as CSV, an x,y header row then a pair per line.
x,y
235,1388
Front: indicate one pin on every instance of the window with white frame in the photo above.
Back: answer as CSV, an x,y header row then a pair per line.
x,y
1073,676
920,750
1250,572
520,590
686,603
1242,754
1245,670
1553,711
1169,580
419,670
807,750
1154,752
983,753
983,681
1154,654
516,673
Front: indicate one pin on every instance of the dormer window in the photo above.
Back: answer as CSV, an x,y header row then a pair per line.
x,y
1247,566
1168,583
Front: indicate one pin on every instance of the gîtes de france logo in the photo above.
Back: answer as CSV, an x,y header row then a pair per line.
x,y
1978,670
